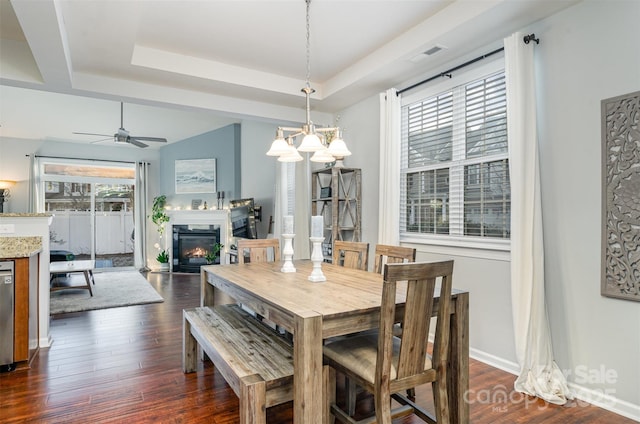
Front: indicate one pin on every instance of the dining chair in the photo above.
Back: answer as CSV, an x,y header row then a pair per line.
x,y
387,254
351,254
384,254
260,250
355,255
386,365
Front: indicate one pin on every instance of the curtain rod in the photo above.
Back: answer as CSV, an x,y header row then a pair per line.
x,y
448,72
527,39
95,160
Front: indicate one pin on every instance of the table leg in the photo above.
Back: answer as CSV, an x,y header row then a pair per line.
x,y
86,278
308,405
458,372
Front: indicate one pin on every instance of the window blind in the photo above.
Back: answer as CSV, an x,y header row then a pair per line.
x,y
455,162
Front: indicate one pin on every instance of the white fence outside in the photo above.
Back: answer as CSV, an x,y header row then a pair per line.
x,y
71,230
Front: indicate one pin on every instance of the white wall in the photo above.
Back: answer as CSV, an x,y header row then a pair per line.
x,y
362,135
258,170
587,53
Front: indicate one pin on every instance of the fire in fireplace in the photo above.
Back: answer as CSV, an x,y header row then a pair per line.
x,y
191,244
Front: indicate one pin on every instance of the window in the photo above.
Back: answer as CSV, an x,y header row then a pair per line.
x,y
92,204
455,170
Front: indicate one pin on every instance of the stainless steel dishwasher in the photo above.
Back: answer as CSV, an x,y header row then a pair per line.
x,y
6,315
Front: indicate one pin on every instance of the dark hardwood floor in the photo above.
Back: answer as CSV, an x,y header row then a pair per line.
x,y
123,365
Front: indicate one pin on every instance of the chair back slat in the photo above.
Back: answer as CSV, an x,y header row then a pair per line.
x,y
351,254
386,254
259,249
421,281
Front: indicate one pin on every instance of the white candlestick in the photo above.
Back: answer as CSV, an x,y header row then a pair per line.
x,y
317,224
287,225
287,253
317,258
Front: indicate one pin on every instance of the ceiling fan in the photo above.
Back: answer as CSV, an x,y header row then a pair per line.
x,y
122,136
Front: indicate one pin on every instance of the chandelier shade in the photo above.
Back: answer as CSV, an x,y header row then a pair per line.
x,y
314,140
310,143
291,154
279,145
322,156
337,147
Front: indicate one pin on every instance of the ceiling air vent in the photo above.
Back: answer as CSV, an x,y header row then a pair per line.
x,y
432,50
429,52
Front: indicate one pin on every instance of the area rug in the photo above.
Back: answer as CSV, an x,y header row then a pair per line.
x,y
112,290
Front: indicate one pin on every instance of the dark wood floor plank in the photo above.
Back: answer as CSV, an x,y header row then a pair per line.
x,y
123,365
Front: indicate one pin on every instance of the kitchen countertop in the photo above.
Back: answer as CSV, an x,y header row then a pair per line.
x,y
19,247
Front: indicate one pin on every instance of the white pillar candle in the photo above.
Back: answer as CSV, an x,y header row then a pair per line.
x,y
317,224
287,224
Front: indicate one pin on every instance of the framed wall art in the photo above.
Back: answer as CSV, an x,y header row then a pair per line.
x,y
196,176
621,197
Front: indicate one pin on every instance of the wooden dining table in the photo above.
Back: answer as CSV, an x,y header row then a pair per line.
x,y
347,302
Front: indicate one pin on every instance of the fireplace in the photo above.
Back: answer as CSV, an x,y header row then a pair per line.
x,y
191,243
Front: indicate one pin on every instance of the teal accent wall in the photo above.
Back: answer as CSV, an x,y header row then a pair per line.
x,y
223,145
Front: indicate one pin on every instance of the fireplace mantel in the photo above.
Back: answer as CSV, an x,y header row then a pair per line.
x,y
195,217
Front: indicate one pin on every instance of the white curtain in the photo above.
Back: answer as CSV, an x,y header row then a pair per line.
x,y
302,209
293,197
36,199
140,215
539,374
389,179
279,207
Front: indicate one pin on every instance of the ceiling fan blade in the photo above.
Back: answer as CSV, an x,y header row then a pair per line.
x,y
99,135
156,139
102,139
135,142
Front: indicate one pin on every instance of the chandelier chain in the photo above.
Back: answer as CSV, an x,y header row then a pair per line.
x,y
308,46
315,139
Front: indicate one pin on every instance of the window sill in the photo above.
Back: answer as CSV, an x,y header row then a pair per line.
x,y
460,246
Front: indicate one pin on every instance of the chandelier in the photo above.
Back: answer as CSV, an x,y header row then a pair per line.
x,y
326,143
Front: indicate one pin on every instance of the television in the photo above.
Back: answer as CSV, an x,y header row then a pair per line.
x,y
242,216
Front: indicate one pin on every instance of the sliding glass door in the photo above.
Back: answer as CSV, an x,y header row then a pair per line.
x,y
92,207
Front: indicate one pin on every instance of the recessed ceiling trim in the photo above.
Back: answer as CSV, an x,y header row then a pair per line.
x,y
51,50
156,95
211,70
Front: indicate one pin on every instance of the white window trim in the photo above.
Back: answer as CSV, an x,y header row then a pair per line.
x,y
486,248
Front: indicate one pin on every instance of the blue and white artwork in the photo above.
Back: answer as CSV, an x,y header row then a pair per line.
x,y
196,176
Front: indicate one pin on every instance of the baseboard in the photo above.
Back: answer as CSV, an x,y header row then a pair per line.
x,y
495,361
605,401
45,341
581,394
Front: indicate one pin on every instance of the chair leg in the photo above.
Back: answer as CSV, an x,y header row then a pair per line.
x,y
411,394
329,393
441,401
382,401
351,392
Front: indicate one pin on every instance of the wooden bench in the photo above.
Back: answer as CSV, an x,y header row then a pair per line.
x,y
254,359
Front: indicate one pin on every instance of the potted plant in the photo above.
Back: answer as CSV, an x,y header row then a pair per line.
x,y
158,213
212,255
163,258
160,217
